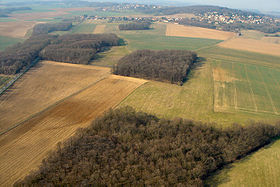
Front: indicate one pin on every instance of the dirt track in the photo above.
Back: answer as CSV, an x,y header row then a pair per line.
x,y
22,149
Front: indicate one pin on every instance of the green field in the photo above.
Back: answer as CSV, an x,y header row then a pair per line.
x,y
259,169
231,86
82,28
155,39
8,41
110,57
247,89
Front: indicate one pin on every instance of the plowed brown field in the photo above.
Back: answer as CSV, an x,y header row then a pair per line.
x,y
23,148
197,32
42,86
252,45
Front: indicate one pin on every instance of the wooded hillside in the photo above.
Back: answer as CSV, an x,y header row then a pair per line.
x,y
167,65
131,148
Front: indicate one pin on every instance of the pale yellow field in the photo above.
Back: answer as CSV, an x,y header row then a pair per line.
x,y
197,32
15,29
42,86
99,29
23,148
275,40
252,45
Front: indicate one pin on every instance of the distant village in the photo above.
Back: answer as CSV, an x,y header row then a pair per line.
x,y
214,18
220,18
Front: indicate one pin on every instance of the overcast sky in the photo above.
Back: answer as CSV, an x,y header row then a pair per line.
x,y
244,4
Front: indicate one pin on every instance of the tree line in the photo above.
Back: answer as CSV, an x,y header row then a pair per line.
x,y
130,148
78,48
135,26
51,27
166,65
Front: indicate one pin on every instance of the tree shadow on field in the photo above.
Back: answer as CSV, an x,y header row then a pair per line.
x,y
222,176
198,64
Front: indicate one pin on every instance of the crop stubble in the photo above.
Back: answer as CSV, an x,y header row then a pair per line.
x,y
23,148
43,86
197,32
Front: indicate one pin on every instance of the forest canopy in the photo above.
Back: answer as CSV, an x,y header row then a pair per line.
x,y
166,65
131,148
75,48
51,27
78,48
135,26
17,57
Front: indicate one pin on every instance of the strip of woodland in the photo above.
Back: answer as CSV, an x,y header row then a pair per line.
x,y
51,27
131,148
135,26
78,48
72,48
166,65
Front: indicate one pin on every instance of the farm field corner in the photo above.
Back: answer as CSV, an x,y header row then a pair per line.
x,y
28,144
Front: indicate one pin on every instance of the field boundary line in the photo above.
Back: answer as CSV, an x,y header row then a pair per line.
x,y
213,102
251,89
267,91
129,94
259,111
51,106
235,89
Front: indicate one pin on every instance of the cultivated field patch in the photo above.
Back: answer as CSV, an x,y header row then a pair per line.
x,y
254,88
16,29
231,87
42,86
197,32
275,40
252,45
23,148
99,29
